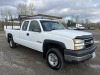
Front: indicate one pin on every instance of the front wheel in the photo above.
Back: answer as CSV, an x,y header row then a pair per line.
x,y
54,58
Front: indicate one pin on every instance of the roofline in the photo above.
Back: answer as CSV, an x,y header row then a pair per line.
x,y
25,17
42,15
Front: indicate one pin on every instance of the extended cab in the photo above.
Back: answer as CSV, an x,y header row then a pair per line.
x,y
56,43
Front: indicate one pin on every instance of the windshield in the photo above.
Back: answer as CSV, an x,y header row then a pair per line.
x,y
51,25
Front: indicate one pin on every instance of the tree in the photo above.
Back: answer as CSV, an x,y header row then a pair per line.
x,y
24,9
77,18
87,21
69,23
31,9
2,14
6,13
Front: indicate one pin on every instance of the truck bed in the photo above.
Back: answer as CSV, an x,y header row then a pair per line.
x,y
15,32
10,27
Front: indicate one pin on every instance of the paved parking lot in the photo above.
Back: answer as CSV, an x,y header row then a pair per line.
x,y
25,61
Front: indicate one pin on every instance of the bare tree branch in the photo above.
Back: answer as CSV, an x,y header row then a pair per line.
x,y
6,13
23,9
31,9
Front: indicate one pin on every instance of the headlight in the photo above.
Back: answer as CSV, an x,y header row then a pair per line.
x,y
78,41
78,44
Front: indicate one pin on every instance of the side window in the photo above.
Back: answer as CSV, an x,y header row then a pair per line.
x,y
25,25
34,26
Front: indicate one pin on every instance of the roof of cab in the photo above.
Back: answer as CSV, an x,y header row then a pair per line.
x,y
40,19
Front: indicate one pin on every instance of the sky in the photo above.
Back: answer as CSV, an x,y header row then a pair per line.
x,y
86,9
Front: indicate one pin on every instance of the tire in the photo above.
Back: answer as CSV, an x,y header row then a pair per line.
x,y
54,58
12,44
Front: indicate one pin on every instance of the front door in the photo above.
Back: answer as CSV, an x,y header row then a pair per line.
x,y
34,38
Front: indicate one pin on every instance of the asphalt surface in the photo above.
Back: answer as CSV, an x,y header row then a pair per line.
x,y
25,61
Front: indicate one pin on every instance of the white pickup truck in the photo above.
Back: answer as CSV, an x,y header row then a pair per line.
x,y
56,43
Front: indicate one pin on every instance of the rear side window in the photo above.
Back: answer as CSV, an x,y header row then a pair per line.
x,y
25,25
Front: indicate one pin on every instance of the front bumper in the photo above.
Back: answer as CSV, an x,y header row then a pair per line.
x,y
79,56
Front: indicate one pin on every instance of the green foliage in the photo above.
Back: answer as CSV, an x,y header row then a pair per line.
x,y
71,23
68,23
64,24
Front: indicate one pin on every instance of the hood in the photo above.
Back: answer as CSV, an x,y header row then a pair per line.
x,y
69,33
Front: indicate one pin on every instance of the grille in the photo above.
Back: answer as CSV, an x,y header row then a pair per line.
x,y
88,42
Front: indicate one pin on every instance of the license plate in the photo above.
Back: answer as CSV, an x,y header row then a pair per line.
x,y
93,55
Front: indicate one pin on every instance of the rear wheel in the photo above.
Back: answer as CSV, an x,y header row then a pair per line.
x,y
54,58
12,44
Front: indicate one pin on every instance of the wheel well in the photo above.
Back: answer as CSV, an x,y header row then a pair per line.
x,y
8,37
47,46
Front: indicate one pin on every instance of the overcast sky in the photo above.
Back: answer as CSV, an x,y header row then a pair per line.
x,y
86,9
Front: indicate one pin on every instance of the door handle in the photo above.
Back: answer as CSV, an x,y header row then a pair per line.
x,y
27,34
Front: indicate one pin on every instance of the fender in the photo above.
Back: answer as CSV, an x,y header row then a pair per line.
x,y
47,41
54,42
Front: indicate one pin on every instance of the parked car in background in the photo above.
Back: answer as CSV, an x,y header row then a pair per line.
x,y
72,28
77,27
80,27
92,28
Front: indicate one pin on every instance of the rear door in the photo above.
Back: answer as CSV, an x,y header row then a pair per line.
x,y
23,33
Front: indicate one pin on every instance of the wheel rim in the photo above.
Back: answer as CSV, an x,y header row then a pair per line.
x,y
10,43
53,60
